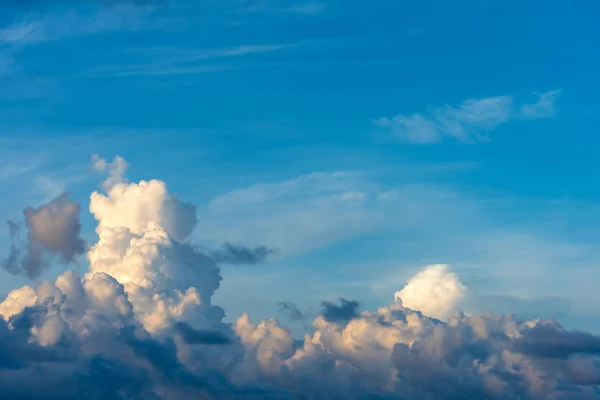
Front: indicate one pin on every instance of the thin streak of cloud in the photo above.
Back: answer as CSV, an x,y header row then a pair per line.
x,y
52,27
543,108
174,62
470,122
311,7
265,6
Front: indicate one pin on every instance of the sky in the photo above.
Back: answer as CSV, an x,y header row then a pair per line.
x,y
314,160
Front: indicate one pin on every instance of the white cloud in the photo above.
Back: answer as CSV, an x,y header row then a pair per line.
x,y
311,7
176,61
116,170
272,6
16,301
543,108
470,122
37,28
21,32
435,291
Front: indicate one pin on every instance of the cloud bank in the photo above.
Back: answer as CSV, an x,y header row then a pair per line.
x,y
141,324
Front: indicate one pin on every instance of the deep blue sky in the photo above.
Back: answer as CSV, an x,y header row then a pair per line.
x,y
281,99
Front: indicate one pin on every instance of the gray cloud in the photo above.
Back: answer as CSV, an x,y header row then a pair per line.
x,y
344,312
197,336
292,310
232,254
53,229
550,341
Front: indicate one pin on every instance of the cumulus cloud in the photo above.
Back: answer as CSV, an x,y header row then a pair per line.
x,y
116,170
139,205
435,291
471,121
53,229
141,324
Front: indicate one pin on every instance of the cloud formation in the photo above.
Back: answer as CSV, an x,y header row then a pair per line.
x,y
107,16
471,121
435,291
344,312
141,324
116,170
53,229
292,310
543,108
271,6
232,254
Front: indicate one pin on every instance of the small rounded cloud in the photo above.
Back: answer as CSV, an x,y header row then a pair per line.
x,y
436,292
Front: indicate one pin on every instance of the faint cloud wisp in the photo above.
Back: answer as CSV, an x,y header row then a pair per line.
x,y
471,122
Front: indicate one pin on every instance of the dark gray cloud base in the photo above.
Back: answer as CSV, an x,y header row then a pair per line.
x,y
237,255
343,312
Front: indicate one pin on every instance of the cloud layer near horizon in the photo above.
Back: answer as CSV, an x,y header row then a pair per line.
x,y
141,324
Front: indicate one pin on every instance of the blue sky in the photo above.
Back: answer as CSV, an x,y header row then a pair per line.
x,y
364,141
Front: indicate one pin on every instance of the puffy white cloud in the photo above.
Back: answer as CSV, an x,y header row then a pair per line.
x,y
435,291
135,206
16,301
140,228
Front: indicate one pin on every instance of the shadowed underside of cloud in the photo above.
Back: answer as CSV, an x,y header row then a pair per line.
x,y
344,312
197,336
141,324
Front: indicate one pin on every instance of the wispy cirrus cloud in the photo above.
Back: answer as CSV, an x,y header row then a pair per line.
x,y
311,7
52,26
176,61
471,121
543,108
305,8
